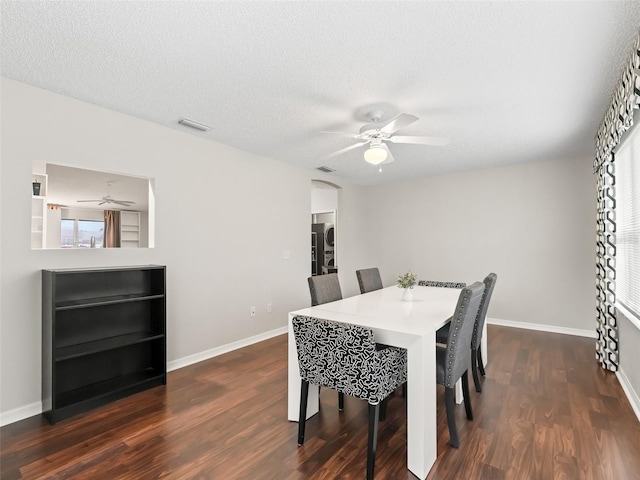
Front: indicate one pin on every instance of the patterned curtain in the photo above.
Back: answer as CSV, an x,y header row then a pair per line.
x,y
607,343
618,119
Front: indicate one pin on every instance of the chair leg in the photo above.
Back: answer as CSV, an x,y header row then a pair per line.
x,y
302,420
383,409
374,412
481,362
466,396
340,401
474,370
450,404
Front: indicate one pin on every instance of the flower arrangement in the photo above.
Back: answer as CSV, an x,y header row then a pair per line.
x,y
408,280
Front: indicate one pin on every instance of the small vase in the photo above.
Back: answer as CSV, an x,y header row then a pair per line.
x,y
407,295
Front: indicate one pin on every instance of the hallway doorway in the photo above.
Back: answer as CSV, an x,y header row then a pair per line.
x,y
324,223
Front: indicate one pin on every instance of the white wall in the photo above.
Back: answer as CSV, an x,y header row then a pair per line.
x,y
222,245
532,224
324,198
54,230
144,229
629,374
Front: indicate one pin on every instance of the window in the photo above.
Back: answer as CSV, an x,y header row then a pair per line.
x,y
67,232
627,165
79,233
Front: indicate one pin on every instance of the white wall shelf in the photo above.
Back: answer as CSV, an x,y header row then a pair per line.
x,y
129,229
39,213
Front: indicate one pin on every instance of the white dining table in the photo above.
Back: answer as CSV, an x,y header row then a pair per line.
x,y
411,325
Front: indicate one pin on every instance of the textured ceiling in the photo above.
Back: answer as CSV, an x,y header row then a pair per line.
x,y
505,81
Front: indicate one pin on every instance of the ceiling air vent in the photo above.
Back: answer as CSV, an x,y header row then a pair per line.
x,y
326,169
193,124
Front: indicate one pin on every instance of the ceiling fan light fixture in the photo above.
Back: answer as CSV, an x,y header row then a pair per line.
x,y
375,155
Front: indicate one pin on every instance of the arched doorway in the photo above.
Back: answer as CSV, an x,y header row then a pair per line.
x,y
324,227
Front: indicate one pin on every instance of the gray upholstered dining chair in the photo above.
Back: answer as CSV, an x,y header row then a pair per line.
x,y
324,289
476,340
344,357
452,361
369,280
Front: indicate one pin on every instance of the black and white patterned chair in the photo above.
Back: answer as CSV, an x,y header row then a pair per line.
x,y
369,280
452,361
324,289
432,283
344,357
476,340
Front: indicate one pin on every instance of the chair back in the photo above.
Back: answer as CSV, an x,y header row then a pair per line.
x,y
344,357
458,353
433,283
369,280
324,289
489,283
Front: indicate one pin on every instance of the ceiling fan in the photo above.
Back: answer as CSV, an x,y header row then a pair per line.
x,y
108,199
377,133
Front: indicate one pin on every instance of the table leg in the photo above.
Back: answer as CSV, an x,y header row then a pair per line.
x,y
421,406
459,395
483,347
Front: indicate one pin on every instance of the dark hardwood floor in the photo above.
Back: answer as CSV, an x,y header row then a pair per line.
x,y
547,411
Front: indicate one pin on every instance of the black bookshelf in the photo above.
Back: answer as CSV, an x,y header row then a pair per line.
x,y
103,336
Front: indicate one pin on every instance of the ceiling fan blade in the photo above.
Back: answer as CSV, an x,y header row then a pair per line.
x,y
102,203
124,203
439,141
399,121
390,158
83,201
351,147
342,134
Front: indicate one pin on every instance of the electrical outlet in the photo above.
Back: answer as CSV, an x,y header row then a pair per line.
x,y
253,311
269,308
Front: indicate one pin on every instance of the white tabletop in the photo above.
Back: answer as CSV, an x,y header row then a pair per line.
x,y
429,310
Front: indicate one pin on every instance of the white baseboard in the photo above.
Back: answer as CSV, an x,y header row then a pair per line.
x,y
20,413
32,409
214,352
543,328
632,395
